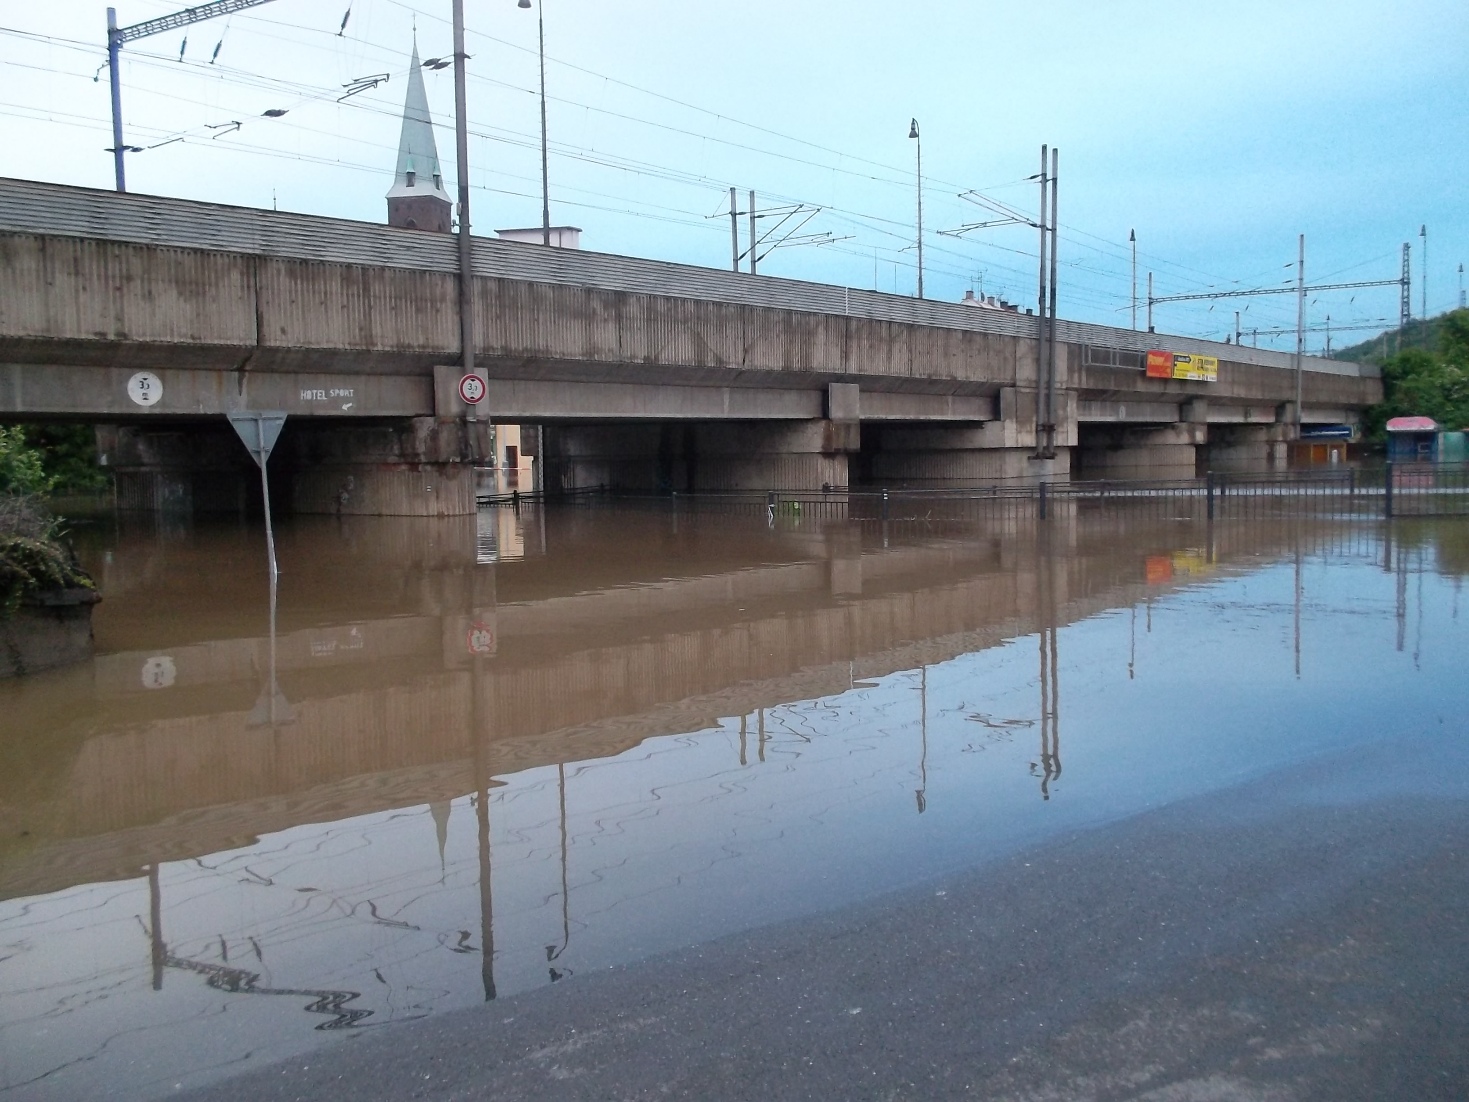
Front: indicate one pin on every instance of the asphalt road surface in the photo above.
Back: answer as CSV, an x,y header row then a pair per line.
x,y
1302,936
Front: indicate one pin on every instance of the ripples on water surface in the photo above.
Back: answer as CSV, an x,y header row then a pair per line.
x,y
627,735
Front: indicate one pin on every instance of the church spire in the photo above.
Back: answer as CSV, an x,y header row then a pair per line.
x,y
417,199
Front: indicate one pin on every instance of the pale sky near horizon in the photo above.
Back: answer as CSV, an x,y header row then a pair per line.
x,y
1218,131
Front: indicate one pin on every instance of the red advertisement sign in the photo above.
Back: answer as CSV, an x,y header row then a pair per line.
x,y
1160,365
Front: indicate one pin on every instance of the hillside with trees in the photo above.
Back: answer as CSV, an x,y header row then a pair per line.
x,y
1426,374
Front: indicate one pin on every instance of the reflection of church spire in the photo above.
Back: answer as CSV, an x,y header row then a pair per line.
x,y
439,809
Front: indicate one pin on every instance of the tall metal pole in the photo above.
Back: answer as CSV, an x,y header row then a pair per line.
x,y
917,136
545,172
1150,302
1300,327
118,37
734,232
114,45
1405,307
461,151
1040,309
753,240
1461,286
1423,233
1236,327
1051,314
1132,240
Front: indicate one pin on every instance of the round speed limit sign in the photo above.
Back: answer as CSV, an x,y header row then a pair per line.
x,y
480,641
472,389
145,388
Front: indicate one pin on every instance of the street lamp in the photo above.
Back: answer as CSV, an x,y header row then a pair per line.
x,y
1132,240
913,133
545,174
461,157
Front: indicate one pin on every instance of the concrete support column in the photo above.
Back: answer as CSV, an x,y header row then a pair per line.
x,y
179,469
990,451
1140,451
422,467
673,456
1248,446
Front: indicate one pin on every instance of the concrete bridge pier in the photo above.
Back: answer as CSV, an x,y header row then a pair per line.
x,y
413,467
1001,449
1141,451
661,457
179,469
1249,446
419,467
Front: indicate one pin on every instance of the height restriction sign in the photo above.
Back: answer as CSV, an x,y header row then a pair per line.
x,y
472,389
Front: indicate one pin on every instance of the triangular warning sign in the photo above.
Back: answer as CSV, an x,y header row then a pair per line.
x,y
259,431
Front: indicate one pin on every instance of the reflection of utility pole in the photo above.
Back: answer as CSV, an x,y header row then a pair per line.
x,y
480,713
1132,648
744,759
159,951
922,793
1418,626
1298,613
552,951
1050,763
1402,597
760,717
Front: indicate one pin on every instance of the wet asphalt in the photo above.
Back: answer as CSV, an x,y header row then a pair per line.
x,y
1298,936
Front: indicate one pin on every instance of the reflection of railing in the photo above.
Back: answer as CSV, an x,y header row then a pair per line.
x,y
237,981
1341,494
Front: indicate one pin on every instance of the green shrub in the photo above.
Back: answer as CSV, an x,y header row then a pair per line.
x,y
33,560
22,469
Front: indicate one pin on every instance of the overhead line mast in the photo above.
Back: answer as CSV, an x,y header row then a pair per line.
x,y
117,37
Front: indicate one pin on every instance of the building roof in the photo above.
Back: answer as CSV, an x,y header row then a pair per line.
x,y
417,152
1412,424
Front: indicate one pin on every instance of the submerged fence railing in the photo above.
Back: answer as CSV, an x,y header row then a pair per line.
x,y
1394,490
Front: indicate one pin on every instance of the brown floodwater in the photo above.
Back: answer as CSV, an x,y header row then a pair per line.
x,y
478,756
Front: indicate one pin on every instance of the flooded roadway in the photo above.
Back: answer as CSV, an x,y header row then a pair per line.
x,y
498,755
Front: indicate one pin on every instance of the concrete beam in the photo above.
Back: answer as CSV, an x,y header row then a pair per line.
x,y
512,400
884,406
1130,411
61,389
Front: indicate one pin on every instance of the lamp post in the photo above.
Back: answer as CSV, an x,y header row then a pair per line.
x,y
545,172
1423,233
1132,240
913,133
461,157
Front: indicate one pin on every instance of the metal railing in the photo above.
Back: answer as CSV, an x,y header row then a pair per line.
x,y
1395,490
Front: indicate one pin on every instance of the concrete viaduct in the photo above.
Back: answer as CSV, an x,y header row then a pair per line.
x,y
153,317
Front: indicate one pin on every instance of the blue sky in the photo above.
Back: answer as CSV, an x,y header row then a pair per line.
x,y
1218,131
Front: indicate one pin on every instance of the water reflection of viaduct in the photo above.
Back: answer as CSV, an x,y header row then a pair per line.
x,y
395,711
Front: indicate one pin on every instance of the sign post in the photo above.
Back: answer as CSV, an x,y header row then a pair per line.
x,y
259,433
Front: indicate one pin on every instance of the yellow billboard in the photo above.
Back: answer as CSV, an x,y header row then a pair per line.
x,y
1196,369
1182,365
